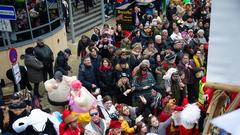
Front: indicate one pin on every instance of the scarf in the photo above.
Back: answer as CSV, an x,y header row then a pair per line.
x,y
145,75
104,69
98,129
198,61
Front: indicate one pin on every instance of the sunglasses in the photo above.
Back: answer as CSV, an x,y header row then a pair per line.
x,y
93,114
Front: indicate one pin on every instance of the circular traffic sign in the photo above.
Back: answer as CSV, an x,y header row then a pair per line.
x,y
13,55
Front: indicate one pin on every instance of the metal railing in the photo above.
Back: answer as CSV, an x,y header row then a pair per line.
x,y
31,30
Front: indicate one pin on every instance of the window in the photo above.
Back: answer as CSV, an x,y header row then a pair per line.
x,y
34,18
1,40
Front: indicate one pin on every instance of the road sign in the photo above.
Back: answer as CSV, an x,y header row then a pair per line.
x,y
5,25
13,55
7,12
16,73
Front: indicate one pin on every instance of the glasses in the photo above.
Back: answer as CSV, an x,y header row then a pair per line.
x,y
93,114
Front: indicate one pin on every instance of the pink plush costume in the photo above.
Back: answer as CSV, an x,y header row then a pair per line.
x,y
80,99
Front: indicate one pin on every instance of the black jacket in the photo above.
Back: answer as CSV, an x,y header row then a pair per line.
x,y
44,54
106,81
83,45
61,63
24,81
87,76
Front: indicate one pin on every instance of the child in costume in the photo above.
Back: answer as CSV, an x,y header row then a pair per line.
x,y
80,99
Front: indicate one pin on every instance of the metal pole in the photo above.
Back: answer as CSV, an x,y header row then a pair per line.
x,y
103,13
71,21
10,45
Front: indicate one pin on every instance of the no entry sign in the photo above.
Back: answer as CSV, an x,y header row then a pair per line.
x,y
13,55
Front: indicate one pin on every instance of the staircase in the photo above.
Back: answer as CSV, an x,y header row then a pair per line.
x,y
84,22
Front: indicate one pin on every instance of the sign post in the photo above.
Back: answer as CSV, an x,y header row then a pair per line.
x,y
8,13
15,67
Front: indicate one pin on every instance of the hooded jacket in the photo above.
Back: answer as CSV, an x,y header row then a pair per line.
x,y
61,63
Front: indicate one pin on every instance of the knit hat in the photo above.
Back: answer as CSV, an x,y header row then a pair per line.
x,y
114,124
94,38
68,51
170,58
123,74
76,84
145,62
58,75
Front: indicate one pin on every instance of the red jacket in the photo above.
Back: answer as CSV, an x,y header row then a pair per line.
x,y
184,131
71,131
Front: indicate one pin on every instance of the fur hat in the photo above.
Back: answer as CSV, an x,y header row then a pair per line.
x,y
190,116
120,51
137,46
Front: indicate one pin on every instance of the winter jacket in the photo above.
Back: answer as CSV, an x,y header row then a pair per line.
x,y
87,76
189,73
161,129
44,54
134,61
148,54
96,62
139,84
61,63
34,68
90,130
126,128
24,79
106,81
82,47
119,71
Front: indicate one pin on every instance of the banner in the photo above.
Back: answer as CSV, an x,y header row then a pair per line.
x,y
224,46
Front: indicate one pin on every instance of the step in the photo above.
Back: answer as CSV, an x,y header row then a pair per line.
x,y
87,19
91,26
87,23
84,15
81,9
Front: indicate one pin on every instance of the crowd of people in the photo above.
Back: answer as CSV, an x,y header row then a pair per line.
x,y
147,81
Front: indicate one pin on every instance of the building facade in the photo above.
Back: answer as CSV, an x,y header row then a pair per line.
x,y
35,19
